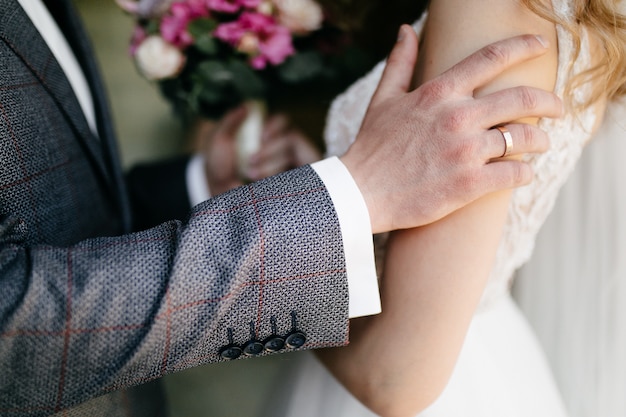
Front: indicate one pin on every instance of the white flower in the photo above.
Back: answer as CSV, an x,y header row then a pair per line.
x,y
265,7
145,8
299,16
158,59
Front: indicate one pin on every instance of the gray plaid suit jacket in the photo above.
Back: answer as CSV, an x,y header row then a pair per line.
x,y
88,308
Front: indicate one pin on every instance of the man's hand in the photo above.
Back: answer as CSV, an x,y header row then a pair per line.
x,y
421,155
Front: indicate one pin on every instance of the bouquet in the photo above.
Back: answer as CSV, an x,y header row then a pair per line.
x,y
209,56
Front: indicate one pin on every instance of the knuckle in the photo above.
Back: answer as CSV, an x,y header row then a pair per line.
x,y
456,120
464,150
467,183
495,53
520,173
527,137
528,98
437,88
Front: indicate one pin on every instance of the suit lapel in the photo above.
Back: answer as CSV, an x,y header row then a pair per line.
x,y
19,33
70,23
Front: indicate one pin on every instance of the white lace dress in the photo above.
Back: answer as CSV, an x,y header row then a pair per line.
x,y
501,371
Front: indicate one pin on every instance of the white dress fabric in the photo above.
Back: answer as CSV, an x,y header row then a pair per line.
x,y
573,289
501,371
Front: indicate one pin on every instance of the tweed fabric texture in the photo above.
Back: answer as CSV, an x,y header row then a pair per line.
x,y
89,309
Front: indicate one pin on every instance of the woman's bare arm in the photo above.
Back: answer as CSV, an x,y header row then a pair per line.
x,y
399,361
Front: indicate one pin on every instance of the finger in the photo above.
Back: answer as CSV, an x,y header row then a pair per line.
x,y
275,125
505,174
396,78
276,145
230,123
516,103
490,61
526,138
270,166
273,157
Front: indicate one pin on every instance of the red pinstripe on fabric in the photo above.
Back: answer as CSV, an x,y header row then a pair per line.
x,y
66,333
19,86
261,282
174,309
260,200
31,177
14,141
168,331
16,51
27,177
171,309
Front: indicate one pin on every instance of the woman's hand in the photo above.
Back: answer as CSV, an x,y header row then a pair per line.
x,y
283,147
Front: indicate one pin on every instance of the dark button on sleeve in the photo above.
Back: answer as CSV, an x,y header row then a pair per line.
x,y
230,352
253,348
274,343
295,340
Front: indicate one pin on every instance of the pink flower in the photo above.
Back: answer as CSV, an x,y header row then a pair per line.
x,y
251,4
224,6
231,32
174,24
274,47
257,22
231,6
273,40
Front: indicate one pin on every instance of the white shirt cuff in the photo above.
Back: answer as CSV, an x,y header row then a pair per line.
x,y
356,233
197,186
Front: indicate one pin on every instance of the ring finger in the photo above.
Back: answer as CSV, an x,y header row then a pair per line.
x,y
524,138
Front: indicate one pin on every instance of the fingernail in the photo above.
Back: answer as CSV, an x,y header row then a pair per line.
x,y
401,33
542,41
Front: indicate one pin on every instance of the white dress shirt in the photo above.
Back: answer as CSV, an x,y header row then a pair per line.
x,y
47,27
349,204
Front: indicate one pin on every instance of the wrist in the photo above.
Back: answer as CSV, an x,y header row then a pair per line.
x,y
360,177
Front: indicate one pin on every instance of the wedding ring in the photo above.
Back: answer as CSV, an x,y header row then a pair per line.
x,y
508,140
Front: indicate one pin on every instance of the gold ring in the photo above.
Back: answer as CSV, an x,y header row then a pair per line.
x,y
508,140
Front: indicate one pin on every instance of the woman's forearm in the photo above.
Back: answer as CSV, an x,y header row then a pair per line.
x,y
399,361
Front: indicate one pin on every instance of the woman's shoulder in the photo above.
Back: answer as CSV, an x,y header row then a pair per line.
x,y
456,28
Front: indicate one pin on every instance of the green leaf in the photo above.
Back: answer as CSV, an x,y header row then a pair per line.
x,y
246,81
211,95
301,67
216,72
152,27
193,98
206,44
201,27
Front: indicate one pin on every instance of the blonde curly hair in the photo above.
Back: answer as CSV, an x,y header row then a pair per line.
x,y
606,25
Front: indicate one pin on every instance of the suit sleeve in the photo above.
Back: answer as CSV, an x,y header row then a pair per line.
x,y
261,263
